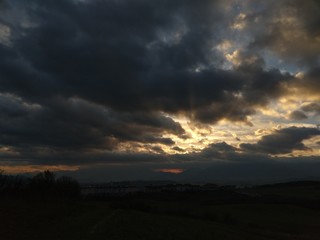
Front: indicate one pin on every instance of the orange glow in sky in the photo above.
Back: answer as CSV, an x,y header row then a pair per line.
x,y
37,168
170,170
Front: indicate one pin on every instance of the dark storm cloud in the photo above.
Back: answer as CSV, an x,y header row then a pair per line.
x,y
107,50
310,108
291,29
81,75
282,141
297,115
308,82
217,151
217,162
130,55
78,124
229,173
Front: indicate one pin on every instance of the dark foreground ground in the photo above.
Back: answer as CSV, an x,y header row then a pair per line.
x,y
285,211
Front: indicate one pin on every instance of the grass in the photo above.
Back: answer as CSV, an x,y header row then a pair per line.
x,y
101,220
300,190
285,211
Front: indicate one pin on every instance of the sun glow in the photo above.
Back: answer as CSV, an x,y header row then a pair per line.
x,y
170,170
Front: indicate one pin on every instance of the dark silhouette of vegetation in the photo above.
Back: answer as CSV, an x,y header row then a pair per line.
x,y
278,211
43,185
67,187
12,185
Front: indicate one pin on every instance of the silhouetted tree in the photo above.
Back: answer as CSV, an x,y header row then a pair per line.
x,y
3,180
12,185
43,183
16,185
46,185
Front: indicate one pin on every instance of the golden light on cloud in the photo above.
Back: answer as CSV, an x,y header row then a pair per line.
x,y
271,112
37,168
240,22
238,58
225,46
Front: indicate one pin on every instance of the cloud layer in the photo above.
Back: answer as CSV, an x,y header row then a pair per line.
x,y
104,81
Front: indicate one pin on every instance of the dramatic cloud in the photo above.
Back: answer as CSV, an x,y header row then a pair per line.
x,y
104,52
283,141
308,108
308,83
297,115
312,107
76,123
291,29
156,82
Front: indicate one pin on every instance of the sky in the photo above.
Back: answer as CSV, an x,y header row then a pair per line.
x,y
142,89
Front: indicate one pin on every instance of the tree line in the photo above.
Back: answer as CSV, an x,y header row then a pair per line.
x,y
44,185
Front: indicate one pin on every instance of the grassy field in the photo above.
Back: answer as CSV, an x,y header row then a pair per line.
x,y
294,190
166,216
99,220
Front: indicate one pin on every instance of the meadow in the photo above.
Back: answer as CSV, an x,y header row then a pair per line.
x,y
225,214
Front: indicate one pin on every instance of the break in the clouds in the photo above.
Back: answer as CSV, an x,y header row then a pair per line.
x,y
157,82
